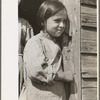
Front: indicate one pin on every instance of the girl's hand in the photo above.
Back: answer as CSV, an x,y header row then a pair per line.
x,y
50,80
64,76
68,76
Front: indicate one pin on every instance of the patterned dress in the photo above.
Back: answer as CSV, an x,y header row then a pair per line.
x,y
42,60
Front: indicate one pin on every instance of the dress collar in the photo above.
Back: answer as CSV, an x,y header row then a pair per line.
x,y
46,35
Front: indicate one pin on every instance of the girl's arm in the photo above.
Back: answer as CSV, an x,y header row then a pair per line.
x,y
34,63
64,76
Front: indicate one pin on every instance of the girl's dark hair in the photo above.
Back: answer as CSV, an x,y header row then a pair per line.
x,y
47,9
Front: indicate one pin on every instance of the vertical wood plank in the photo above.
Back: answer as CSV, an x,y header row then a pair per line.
x,y
73,8
76,49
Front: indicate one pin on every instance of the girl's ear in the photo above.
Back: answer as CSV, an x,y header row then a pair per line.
x,y
42,24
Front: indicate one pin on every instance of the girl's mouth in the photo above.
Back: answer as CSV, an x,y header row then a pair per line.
x,y
60,30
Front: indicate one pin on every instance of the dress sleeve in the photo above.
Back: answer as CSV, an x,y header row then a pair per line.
x,y
34,61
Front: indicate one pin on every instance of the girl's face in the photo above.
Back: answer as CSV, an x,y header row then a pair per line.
x,y
56,24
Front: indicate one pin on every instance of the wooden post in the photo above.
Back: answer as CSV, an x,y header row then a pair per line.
x,y
73,8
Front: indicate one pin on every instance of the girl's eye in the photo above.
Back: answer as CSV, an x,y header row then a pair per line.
x,y
57,20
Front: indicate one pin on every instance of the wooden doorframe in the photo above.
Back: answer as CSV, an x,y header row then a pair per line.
x,y
76,50
73,9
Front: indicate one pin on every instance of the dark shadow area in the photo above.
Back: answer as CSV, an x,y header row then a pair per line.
x,y
27,9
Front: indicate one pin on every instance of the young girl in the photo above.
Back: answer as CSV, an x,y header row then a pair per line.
x,y
44,75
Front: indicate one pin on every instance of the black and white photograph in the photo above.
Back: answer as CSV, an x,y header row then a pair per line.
x,y
56,52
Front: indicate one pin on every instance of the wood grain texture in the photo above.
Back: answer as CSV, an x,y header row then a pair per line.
x,y
89,66
88,10
89,2
88,16
88,83
89,72
89,94
88,41
73,9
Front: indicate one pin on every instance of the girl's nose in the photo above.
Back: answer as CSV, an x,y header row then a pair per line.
x,y
61,24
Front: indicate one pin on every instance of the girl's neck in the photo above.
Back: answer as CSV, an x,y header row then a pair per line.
x,y
47,35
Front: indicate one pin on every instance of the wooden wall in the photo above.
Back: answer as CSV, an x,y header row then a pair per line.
x,y
89,49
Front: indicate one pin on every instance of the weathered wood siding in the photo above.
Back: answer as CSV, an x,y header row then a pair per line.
x,y
73,8
89,49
